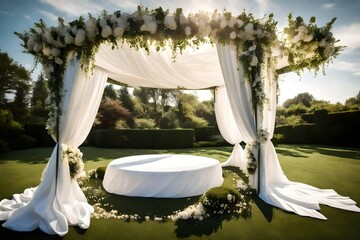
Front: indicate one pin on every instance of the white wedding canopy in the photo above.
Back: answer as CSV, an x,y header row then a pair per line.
x,y
58,201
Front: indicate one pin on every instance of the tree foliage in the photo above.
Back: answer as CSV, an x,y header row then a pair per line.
x,y
304,98
110,111
13,77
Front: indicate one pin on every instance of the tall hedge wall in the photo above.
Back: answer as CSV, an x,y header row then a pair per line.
x,y
339,129
139,138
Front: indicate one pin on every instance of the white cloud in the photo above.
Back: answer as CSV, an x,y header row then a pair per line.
x,y
27,17
74,8
349,36
126,5
263,6
3,13
49,15
353,67
328,5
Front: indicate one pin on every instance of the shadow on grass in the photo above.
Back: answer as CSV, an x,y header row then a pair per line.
x,y
33,235
305,150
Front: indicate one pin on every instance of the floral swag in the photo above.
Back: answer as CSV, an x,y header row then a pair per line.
x,y
252,148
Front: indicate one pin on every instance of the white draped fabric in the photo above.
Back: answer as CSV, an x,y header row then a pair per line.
x,y
275,188
229,129
194,69
239,93
52,206
162,175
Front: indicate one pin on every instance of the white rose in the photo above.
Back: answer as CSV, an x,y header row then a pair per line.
x,y
90,27
74,30
232,22
152,27
249,28
170,23
302,29
254,61
102,22
48,37
183,20
37,47
55,52
252,48
233,35
223,23
46,51
240,23
106,31
308,38
118,32
229,197
113,18
30,43
121,23
80,37
322,43
58,61
296,39
188,31
68,38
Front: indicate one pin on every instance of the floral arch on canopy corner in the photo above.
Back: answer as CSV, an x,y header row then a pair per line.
x,y
240,55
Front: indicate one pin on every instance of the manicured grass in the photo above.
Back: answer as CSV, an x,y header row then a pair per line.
x,y
323,167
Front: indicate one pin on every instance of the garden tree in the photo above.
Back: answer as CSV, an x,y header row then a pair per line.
x,y
111,111
125,98
187,112
20,105
169,119
13,77
39,100
109,92
154,101
206,111
40,93
296,109
353,100
304,98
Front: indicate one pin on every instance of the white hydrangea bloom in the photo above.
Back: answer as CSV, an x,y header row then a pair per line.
x,y
170,23
254,61
106,31
118,32
55,52
182,19
188,31
37,47
68,38
47,51
80,37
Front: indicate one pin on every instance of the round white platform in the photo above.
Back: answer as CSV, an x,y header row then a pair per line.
x,y
162,175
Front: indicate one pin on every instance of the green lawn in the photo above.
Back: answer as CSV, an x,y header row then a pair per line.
x,y
323,167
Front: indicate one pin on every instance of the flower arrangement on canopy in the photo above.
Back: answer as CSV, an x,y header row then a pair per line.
x,y
304,45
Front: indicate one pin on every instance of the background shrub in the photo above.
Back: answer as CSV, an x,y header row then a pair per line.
x,y
144,138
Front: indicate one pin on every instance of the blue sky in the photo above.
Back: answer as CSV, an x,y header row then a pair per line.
x,y
342,79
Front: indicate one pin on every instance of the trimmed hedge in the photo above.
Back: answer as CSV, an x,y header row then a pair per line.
x,y
338,129
144,138
205,133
